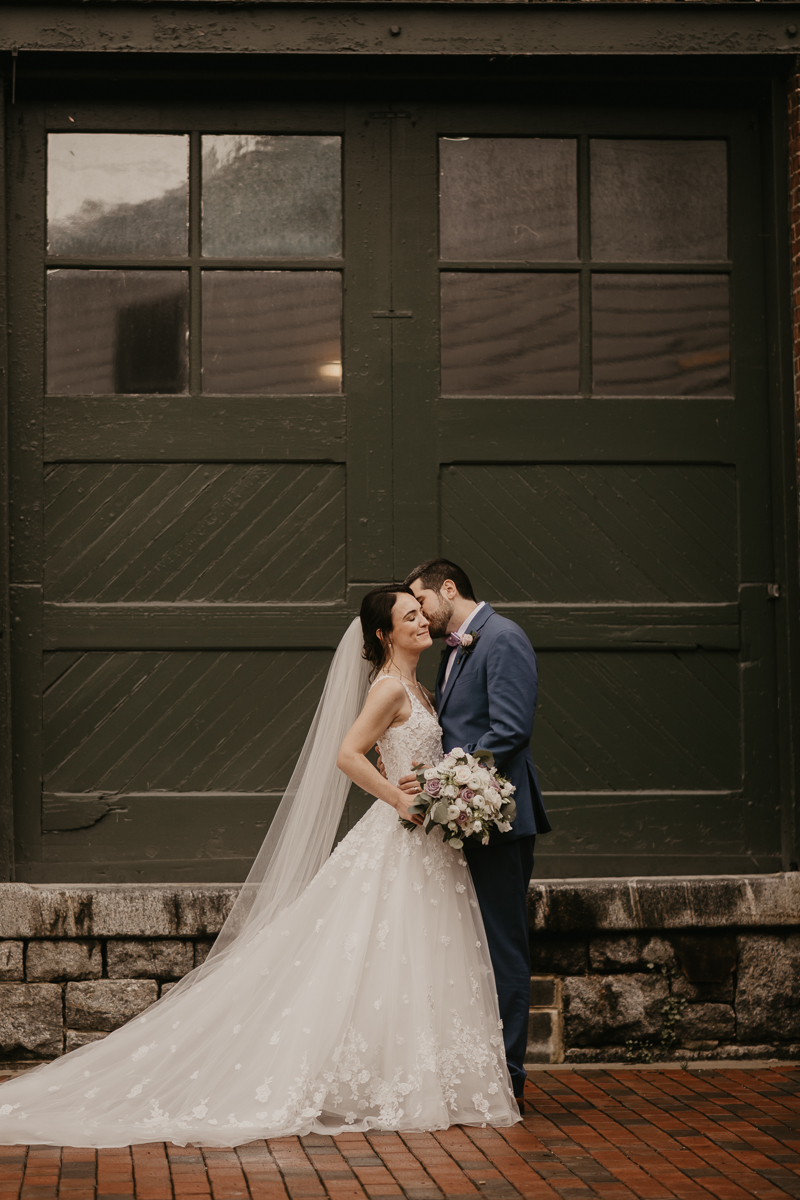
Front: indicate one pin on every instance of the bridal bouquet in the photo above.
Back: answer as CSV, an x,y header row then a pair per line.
x,y
465,797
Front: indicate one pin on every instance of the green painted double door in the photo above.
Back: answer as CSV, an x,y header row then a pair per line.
x,y
265,356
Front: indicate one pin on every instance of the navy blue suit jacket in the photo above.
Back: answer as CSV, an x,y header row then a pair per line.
x,y
489,703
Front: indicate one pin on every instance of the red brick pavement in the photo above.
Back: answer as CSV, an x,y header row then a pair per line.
x,y
616,1134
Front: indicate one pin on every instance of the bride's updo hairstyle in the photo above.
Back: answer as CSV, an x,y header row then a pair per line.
x,y
376,619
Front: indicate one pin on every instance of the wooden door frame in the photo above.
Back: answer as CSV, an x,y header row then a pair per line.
x,y
6,784
22,595
785,438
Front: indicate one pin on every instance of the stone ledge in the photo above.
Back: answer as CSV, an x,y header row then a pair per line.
x,y
556,906
560,906
38,910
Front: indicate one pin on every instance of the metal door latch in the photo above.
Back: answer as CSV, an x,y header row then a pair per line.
x,y
774,591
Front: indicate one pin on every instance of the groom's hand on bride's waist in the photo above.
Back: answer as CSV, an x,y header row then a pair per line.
x,y
409,783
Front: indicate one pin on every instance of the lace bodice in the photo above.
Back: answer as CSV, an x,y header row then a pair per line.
x,y
419,739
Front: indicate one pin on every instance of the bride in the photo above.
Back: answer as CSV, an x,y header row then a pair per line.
x,y
346,991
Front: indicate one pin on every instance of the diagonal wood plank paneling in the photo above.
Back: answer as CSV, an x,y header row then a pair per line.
x,y
625,720
183,721
194,531
594,533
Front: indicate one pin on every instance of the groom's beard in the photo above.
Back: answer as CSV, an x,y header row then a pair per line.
x,y
439,619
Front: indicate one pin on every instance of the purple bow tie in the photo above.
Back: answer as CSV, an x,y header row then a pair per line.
x,y
453,639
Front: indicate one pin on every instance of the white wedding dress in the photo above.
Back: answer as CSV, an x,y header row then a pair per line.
x,y
369,1003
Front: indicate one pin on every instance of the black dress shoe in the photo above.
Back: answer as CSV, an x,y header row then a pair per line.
x,y
520,1105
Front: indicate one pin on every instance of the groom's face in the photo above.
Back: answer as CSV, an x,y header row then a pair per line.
x,y
436,606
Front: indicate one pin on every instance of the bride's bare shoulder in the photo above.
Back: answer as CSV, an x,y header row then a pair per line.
x,y
388,704
392,680
391,692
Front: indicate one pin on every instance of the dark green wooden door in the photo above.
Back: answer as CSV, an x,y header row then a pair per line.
x,y
595,447
275,354
181,454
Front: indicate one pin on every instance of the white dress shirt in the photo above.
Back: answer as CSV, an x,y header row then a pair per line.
x,y
462,629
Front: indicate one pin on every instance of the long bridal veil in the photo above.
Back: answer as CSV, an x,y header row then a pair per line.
x,y
302,832
297,844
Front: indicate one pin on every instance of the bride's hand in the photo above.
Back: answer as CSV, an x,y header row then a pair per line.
x,y
409,783
402,804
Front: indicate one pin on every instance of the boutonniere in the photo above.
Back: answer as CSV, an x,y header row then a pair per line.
x,y
469,641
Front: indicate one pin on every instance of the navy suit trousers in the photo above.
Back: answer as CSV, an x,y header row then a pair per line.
x,y
501,874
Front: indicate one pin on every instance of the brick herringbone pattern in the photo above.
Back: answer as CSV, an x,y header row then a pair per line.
x,y
618,1134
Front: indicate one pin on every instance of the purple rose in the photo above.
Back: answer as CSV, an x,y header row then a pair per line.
x,y
462,819
494,784
466,793
432,787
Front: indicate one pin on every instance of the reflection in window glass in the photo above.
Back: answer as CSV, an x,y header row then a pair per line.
x,y
117,332
272,195
661,335
659,200
117,193
508,198
509,334
273,332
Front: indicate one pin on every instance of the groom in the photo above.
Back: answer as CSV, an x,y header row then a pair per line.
x,y
486,698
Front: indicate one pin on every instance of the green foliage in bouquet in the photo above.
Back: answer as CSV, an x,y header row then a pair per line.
x,y
465,797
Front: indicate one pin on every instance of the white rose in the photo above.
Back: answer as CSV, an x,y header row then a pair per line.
x,y
475,782
457,753
431,773
462,775
452,812
507,789
447,764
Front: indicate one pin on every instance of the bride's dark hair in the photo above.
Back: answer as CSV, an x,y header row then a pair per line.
x,y
376,618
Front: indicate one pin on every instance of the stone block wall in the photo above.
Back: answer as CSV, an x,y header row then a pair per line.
x,y
649,969
693,968
77,962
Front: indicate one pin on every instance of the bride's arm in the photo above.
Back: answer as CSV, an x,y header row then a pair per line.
x,y
383,705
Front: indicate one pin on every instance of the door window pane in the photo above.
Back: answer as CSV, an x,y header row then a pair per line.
x,y
509,334
508,198
659,200
273,332
661,335
266,196
117,332
117,193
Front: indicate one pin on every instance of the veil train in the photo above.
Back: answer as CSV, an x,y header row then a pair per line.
x,y
302,832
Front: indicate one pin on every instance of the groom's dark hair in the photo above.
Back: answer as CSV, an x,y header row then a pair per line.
x,y
433,573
